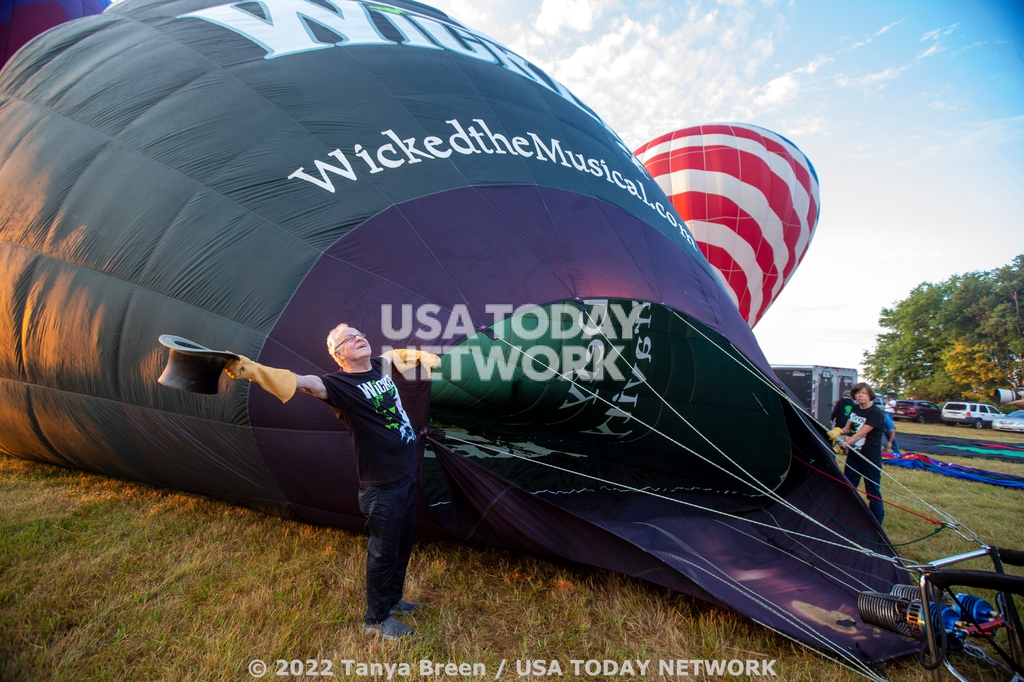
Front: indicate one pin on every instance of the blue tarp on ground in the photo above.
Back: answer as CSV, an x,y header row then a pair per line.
x,y
915,461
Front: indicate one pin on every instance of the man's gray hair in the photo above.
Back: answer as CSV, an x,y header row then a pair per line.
x,y
334,337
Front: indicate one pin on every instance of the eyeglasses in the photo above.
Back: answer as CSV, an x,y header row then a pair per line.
x,y
349,338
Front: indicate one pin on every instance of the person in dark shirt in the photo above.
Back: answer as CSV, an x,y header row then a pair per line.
x,y
889,442
366,399
864,431
841,411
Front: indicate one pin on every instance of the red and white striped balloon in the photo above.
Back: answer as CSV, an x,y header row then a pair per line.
x,y
749,197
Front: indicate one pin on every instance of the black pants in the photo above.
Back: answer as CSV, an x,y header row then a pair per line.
x,y
390,521
856,468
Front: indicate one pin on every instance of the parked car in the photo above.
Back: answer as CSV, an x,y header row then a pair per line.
x,y
977,415
920,411
1010,422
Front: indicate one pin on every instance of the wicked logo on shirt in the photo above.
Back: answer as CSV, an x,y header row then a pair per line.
x,y
377,392
372,389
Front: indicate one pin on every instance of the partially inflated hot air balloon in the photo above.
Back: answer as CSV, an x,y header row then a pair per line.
x,y
23,20
248,175
749,197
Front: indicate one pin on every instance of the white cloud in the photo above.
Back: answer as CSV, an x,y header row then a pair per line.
x,y
803,126
974,45
929,153
973,140
676,66
994,132
947,106
871,79
814,65
474,14
777,92
944,98
939,33
886,28
576,15
785,88
862,43
879,79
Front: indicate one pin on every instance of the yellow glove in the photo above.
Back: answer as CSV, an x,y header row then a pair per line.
x,y
834,433
280,383
406,358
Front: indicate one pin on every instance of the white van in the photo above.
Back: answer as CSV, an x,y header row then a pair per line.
x,y
978,415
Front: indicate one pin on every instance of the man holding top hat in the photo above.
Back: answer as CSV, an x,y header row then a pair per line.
x,y
366,399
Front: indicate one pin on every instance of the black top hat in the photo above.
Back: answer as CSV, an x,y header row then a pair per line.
x,y
193,367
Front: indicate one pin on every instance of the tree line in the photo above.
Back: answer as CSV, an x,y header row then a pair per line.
x,y
958,339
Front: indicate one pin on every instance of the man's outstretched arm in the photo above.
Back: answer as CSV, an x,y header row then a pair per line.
x,y
405,359
281,383
311,384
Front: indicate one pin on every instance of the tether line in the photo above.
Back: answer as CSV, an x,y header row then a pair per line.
x,y
952,522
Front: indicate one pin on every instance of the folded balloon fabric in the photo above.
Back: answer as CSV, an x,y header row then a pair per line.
x,y
912,460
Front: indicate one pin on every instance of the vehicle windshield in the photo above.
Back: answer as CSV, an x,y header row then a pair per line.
x,y
956,406
1019,414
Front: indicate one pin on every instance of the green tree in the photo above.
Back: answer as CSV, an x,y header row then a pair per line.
x,y
908,357
958,338
1005,321
973,370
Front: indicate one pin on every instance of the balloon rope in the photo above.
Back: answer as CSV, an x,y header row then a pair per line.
x,y
796,556
874,497
769,493
753,596
952,522
857,666
941,526
852,547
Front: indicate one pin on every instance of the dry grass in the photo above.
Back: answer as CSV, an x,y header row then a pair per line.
x,y
106,580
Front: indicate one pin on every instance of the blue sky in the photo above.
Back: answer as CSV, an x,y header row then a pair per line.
x,y
911,112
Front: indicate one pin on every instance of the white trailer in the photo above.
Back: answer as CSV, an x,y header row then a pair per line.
x,y
818,387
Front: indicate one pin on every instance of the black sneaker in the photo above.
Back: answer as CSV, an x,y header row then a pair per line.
x,y
405,608
389,629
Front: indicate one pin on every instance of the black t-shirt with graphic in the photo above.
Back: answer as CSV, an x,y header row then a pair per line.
x,y
873,417
382,436
841,412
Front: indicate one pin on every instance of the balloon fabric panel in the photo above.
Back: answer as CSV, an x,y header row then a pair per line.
x,y
22,20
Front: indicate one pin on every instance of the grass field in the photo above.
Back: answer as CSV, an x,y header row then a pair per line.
x,y
102,579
